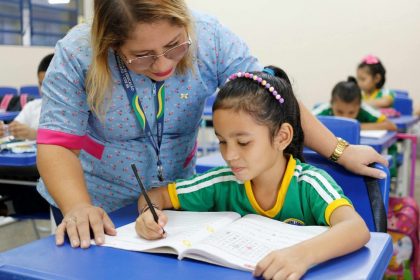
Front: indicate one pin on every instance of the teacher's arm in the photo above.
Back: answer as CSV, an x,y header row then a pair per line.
x,y
62,174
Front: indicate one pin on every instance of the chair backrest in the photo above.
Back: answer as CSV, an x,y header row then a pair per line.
x,y
354,187
404,105
8,90
348,129
400,92
30,90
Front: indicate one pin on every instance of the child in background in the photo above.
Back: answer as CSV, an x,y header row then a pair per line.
x,y
25,125
346,101
371,79
257,120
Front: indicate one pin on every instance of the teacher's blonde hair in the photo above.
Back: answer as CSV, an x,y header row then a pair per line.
x,y
113,22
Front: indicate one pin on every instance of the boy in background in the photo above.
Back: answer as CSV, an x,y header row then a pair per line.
x,y
25,125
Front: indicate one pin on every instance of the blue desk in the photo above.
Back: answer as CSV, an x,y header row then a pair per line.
x,y
7,158
42,259
8,116
380,144
404,123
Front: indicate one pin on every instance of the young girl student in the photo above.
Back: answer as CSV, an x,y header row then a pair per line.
x,y
257,121
371,79
346,101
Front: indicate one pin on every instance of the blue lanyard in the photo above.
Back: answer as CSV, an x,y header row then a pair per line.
x,y
158,91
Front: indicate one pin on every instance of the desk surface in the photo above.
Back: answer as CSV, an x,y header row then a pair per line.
x,y
404,122
380,144
8,116
7,158
42,259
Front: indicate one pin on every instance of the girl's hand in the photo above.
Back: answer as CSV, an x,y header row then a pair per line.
x,y
147,228
356,158
78,222
285,264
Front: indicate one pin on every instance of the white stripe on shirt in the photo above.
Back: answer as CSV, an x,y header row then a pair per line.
x,y
208,184
324,181
204,176
317,187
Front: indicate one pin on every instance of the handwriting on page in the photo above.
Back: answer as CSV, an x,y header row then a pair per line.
x,y
252,238
238,245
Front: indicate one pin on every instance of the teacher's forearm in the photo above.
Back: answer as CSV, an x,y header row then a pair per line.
x,y
317,136
63,176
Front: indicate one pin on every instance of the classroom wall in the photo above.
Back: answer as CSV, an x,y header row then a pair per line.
x,y
318,42
19,64
321,42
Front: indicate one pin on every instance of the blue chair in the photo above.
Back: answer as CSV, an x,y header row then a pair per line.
x,y
399,92
404,105
348,129
8,90
356,188
30,90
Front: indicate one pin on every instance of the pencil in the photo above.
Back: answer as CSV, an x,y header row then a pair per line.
x,y
144,192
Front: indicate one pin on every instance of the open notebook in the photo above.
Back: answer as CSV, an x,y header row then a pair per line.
x,y
222,238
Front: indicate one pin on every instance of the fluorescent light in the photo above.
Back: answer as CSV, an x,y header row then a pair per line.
x,y
58,1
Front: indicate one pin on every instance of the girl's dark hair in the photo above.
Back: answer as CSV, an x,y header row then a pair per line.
x,y
244,94
347,91
373,69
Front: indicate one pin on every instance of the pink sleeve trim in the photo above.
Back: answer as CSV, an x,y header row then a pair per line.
x,y
70,141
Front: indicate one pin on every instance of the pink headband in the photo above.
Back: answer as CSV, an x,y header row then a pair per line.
x,y
370,59
259,80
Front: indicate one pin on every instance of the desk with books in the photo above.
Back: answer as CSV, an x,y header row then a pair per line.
x,y
380,144
404,123
42,259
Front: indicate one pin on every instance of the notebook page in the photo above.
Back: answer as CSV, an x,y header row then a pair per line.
x,y
246,241
184,229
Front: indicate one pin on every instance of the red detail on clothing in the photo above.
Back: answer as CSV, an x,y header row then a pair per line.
x,y
191,155
70,141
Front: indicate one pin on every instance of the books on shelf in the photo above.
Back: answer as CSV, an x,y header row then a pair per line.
x,y
221,238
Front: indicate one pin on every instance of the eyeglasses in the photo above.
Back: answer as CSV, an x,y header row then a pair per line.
x,y
175,53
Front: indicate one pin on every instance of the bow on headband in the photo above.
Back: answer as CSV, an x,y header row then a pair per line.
x,y
370,59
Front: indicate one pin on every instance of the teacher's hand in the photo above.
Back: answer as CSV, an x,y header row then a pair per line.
x,y
356,158
78,222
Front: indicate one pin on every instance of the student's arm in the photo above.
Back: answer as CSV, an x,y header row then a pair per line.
x,y
146,226
348,233
384,102
22,131
386,124
62,174
355,158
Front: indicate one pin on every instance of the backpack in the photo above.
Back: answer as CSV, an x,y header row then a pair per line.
x,y
14,103
403,226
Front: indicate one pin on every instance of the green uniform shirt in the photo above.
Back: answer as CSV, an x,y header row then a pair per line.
x,y
380,93
307,195
367,114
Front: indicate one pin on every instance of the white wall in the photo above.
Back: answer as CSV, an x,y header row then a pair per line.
x,y
19,64
319,43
